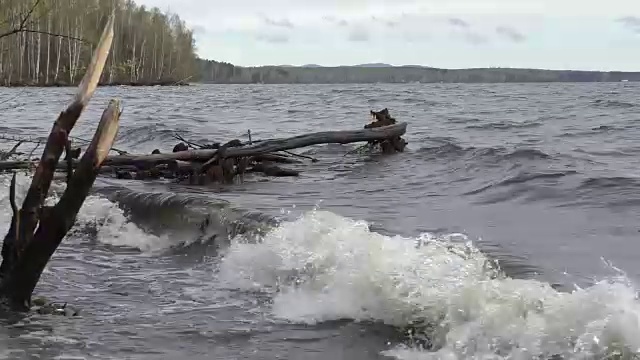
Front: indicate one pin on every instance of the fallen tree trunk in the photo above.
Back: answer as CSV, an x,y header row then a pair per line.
x,y
202,155
37,230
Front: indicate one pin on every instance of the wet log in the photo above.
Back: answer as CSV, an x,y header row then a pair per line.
x,y
276,158
389,145
36,231
273,170
265,147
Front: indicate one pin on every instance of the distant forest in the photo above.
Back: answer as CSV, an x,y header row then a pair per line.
x,y
50,42
47,42
225,73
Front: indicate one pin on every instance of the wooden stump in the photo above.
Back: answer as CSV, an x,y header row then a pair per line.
x,y
389,145
36,230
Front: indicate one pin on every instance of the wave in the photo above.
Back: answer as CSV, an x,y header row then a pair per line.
x,y
503,125
147,134
149,222
446,147
521,178
609,191
99,219
324,267
613,104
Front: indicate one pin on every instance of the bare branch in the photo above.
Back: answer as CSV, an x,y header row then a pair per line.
x,y
57,221
69,158
55,35
23,23
8,154
22,27
12,196
37,230
62,126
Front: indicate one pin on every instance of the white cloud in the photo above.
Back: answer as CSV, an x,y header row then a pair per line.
x,y
451,33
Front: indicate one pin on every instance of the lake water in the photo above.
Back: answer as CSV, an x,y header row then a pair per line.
x,y
365,256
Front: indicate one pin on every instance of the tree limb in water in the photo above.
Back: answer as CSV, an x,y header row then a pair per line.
x,y
60,131
55,224
8,154
25,253
265,147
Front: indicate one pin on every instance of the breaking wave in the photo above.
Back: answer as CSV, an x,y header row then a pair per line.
x,y
103,220
324,267
147,221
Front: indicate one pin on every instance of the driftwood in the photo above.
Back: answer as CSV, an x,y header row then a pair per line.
x,y
37,230
8,154
326,137
391,144
223,163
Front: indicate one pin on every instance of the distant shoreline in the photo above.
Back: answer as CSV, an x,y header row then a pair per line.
x,y
216,72
417,82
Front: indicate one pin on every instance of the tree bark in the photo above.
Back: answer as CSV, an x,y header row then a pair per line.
x,y
55,222
264,147
25,253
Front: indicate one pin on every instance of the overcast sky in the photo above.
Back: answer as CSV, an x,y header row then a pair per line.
x,y
553,34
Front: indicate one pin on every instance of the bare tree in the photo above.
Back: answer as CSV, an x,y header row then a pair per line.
x,y
45,42
36,230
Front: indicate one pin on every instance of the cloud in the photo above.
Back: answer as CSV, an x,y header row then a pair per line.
x,y
467,32
475,38
386,22
336,21
510,33
459,23
359,34
285,23
630,22
556,34
416,37
273,38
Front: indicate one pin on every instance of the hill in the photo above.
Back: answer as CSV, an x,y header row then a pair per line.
x,y
225,73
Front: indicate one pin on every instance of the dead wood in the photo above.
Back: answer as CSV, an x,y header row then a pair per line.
x,y
26,250
273,170
276,158
388,145
10,153
265,147
20,282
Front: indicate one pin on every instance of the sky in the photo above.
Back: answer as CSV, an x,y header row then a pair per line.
x,y
548,34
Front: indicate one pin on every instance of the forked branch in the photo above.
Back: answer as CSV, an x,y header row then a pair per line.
x,y
26,251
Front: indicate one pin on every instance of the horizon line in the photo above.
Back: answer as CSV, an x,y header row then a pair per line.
x,y
382,65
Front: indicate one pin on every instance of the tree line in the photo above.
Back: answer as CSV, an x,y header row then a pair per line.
x,y
225,73
50,42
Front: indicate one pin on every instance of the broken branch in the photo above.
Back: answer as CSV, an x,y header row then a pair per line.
x,y
55,224
264,147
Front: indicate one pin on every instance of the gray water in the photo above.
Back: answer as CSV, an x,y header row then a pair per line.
x,y
542,178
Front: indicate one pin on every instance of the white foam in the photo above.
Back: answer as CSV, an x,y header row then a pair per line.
x,y
324,267
114,228
109,222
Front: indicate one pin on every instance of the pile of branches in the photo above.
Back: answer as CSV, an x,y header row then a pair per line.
x,y
220,168
200,164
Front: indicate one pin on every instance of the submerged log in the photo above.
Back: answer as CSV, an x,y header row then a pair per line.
x,y
265,147
389,145
36,230
223,163
273,170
